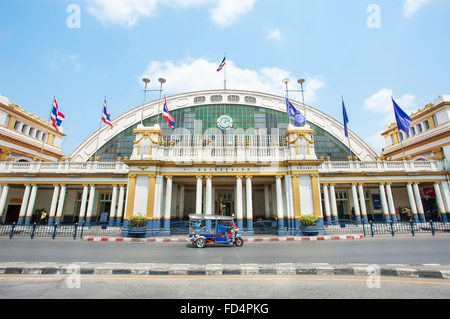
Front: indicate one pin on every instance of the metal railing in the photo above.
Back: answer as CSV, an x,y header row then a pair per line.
x,y
61,230
383,228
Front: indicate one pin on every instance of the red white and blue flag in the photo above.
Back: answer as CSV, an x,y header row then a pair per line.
x,y
224,61
56,117
106,118
166,114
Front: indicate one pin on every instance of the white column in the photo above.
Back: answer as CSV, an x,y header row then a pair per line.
x,y
334,213
208,195
279,198
31,203
24,206
439,201
168,201
54,205
182,192
249,197
3,199
326,198
384,205
288,194
355,203
83,203
112,213
62,198
120,204
362,202
412,201
91,204
239,213
445,192
266,201
419,205
198,202
391,202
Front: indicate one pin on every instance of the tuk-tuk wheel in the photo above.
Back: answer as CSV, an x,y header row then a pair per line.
x,y
200,243
239,242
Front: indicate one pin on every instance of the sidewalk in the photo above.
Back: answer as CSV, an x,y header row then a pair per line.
x,y
247,239
323,269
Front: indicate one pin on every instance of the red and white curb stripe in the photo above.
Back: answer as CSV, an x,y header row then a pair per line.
x,y
246,239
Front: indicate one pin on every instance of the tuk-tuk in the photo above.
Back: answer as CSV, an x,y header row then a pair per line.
x,y
213,229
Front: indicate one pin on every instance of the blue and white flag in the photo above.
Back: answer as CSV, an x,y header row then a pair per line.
x,y
56,117
224,61
292,111
166,114
344,114
403,120
106,118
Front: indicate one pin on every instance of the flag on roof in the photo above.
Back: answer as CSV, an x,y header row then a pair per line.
x,y
224,61
106,118
403,120
166,114
56,117
292,111
344,114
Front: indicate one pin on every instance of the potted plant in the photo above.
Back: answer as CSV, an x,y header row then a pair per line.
x,y
309,225
137,221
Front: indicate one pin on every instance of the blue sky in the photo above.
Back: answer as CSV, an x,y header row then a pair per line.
x,y
328,42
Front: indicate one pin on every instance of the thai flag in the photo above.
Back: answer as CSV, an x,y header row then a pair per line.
x,y
224,61
56,117
105,116
166,114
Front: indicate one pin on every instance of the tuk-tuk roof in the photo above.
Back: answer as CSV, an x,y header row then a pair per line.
x,y
210,217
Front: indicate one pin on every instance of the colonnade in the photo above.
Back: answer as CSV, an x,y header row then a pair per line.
x,y
58,201
441,189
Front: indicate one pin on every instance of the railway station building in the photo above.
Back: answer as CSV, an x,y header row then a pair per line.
x,y
230,152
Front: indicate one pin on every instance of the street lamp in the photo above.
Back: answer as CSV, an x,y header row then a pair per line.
x,y
300,81
147,81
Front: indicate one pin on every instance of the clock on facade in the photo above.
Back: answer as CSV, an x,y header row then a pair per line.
x,y
225,122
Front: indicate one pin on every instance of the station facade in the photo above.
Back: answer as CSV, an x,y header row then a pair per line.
x,y
231,152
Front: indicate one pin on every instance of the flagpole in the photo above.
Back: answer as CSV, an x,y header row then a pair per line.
x,y
98,136
46,130
225,74
349,144
399,129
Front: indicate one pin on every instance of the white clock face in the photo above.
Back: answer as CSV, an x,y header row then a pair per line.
x,y
225,122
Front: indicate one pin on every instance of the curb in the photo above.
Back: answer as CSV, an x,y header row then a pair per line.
x,y
224,270
246,239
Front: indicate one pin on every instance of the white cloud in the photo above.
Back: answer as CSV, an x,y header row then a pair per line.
x,y
128,12
275,35
381,103
59,62
411,6
195,75
228,11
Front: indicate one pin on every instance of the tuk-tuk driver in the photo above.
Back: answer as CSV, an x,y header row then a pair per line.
x,y
222,229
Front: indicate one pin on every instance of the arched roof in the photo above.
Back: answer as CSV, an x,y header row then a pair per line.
x,y
186,100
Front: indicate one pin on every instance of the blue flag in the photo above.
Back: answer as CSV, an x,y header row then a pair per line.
x,y
292,111
344,114
403,120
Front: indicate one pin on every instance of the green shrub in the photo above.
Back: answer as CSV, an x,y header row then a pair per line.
x,y
309,220
137,221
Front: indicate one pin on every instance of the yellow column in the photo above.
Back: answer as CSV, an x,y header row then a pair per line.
x,y
131,193
151,196
316,194
296,196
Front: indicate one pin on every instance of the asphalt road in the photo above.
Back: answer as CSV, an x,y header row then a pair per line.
x,y
378,250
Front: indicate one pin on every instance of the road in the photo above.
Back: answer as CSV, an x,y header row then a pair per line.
x,y
404,250
377,250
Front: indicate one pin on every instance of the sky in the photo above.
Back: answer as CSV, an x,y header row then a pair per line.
x,y
80,51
